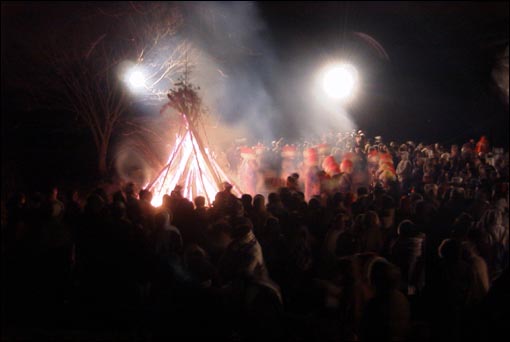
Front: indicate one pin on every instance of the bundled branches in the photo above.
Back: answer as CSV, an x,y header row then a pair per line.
x,y
184,98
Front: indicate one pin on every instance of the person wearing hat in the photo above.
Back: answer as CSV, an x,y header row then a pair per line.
x,y
360,139
224,200
311,171
404,171
248,171
288,165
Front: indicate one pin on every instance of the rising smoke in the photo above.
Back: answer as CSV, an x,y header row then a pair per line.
x,y
500,74
246,86
234,65
249,93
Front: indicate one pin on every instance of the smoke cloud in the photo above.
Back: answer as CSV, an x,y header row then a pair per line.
x,y
251,95
234,66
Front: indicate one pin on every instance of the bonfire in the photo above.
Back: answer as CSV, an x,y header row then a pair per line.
x,y
190,166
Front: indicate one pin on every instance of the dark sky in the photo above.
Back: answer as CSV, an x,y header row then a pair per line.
x,y
436,85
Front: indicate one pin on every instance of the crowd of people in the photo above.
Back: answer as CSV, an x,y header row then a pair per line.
x,y
344,162
405,242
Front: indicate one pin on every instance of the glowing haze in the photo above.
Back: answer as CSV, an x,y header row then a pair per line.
x,y
340,81
244,85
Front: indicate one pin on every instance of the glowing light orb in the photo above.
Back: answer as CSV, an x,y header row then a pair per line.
x,y
340,81
136,79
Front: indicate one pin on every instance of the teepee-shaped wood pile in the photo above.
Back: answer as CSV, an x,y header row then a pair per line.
x,y
190,164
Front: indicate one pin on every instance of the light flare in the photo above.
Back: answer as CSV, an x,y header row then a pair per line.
x,y
137,79
340,81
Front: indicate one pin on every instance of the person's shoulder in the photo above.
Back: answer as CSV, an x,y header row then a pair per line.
x,y
172,228
265,291
394,300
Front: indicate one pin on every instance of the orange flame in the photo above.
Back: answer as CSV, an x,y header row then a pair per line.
x,y
187,167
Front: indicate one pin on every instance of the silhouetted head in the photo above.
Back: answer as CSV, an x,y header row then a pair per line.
x,y
199,202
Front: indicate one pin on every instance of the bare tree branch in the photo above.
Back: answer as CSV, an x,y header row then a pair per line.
x,y
83,65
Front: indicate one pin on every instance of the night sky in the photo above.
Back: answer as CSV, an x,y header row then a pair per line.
x,y
435,86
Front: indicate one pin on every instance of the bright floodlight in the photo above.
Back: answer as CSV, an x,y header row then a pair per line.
x,y
340,81
136,79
